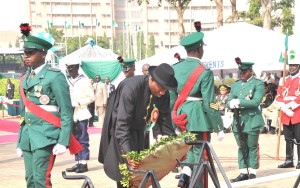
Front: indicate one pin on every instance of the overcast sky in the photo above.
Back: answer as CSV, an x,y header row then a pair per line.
x,y
12,13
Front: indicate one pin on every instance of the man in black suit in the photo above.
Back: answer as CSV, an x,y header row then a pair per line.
x,y
128,114
10,89
109,86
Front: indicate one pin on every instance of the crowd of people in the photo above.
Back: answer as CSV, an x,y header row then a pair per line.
x,y
56,111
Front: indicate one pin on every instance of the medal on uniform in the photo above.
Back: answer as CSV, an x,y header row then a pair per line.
x,y
37,91
153,118
44,99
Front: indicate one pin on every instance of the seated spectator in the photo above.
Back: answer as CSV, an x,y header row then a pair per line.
x,y
273,113
265,103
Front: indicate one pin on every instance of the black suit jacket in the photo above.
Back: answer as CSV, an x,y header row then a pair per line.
x,y
124,124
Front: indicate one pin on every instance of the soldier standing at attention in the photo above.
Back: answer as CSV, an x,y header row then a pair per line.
x,y
82,94
288,98
200,106
246,95
44,92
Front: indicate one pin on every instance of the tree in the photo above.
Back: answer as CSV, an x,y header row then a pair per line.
x,y
266,13
284,16
58,35
179,6
138,46
219,6
10,45
151,47
234,13
17,43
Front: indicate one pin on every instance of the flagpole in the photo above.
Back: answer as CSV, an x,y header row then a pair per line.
x,y
283,84
66,42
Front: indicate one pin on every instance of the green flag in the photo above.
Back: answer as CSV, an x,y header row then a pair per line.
x,y
50,24
286,41
81,25
114,24
97,23
67,25
137,28
286,46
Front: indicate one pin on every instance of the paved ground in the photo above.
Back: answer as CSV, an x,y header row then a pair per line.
x,y
269,176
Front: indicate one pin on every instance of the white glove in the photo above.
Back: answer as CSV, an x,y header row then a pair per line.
x,y
75,104
19,152
221,135
284,108
59,149
289,113
293,105
234,103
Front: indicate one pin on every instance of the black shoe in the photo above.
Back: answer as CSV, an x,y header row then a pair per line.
x,y
227,130
184,181
272,131
263,130
287,164
252,176
241,177
298,165
73,168
91,125
82,168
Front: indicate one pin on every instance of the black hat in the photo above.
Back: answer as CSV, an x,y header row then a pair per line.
x,y
164,75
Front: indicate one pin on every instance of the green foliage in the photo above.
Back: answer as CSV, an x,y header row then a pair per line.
x,y
17,43
285,20
151,50
3,83
58,35
227,81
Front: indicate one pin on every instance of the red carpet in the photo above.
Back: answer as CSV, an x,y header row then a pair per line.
x,y
9,126
12,129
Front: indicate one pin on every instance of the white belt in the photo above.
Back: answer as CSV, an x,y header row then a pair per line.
x,y
193,98
289,98
49,108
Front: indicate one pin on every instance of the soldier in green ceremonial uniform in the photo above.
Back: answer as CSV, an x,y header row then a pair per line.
x,y
46,88
200,106
246,95
128,66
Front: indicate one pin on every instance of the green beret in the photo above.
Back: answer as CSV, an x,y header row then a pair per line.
x,y
33,43
245,65
127,64
192,41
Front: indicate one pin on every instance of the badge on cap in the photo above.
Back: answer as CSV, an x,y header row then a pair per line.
x,y
44,99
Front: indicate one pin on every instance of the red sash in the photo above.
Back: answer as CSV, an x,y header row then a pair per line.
x,y
180,120
74,145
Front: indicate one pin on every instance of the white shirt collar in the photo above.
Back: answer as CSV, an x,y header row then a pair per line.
x,y
37,70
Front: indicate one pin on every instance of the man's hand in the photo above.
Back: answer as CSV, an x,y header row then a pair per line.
x,y
133,164
221,135
19,152
59,149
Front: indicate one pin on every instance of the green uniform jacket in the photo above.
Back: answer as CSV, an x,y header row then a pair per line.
x,y
34,132
250,95
202,115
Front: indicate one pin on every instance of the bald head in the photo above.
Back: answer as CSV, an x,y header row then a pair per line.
x,y
145,69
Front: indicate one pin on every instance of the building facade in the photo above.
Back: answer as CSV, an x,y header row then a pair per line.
x,y
121,20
